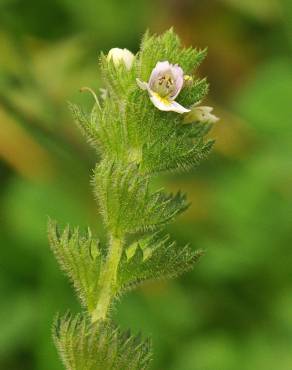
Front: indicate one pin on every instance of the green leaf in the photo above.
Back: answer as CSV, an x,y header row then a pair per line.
x,y
155,257
86,346
165,142
167,47
80,257
126,203
87,124
178,153
193,92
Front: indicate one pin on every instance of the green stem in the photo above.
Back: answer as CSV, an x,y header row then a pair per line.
x,y
108,279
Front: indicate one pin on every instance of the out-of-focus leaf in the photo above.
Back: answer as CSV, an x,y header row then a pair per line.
x,y
265,101
261,9
22,318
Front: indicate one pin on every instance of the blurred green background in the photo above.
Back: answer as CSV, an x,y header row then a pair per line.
x,y
234,311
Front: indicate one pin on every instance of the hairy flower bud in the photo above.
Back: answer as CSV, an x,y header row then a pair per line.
x,y
201,114
119,56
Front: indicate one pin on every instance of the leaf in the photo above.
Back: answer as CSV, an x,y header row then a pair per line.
x,y
80,257
155,257
86,346
166,144
126,203
86,124
167,47
193,92
177,154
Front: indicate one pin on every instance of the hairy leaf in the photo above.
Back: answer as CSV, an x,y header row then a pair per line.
x,y
167,47
127,204
80,257
155,257
102,346
86,124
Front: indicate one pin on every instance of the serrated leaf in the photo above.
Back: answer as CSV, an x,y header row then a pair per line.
x,y
165,142
167,47
80,257
156,257
87,124
126,203
193,92
86,346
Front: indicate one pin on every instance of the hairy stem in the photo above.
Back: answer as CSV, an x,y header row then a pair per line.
x,y
108,278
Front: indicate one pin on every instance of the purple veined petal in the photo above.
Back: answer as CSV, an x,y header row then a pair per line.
x,y
178,76
160,69
167,105
165,68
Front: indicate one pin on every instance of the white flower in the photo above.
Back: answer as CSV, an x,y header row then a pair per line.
x,y
119,56
165,83
201,114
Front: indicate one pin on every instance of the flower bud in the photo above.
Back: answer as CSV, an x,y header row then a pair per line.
x,y
201,114
119,56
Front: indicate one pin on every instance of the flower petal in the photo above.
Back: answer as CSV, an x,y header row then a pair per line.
x,y
178,76
166,104
178,108
128,58
163,69
158,70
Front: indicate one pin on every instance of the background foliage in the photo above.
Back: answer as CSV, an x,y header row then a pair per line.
x,y
234,311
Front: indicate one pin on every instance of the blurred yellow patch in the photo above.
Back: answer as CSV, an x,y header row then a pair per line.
x,y
21,151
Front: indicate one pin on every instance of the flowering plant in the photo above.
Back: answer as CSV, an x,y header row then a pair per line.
x,y
137,134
